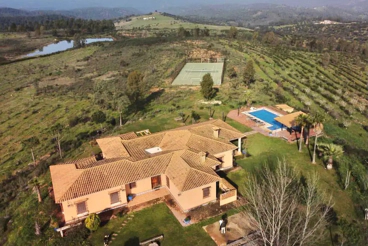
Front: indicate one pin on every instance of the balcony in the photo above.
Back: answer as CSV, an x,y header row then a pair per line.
x,y
228,192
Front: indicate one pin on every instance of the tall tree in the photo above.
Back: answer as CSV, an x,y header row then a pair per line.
x,y
301,121
317,120
207,87
326,59
329,152
249,72
78,41
288,211
135,88
233,32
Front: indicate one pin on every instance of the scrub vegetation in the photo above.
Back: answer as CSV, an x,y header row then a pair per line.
x,y
67,100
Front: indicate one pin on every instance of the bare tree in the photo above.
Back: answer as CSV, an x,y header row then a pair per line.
x,y
37,228
56,131
288,211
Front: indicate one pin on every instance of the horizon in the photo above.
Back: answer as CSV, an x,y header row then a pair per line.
x,y
150,6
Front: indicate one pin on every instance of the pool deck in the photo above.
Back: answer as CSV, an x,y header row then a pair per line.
x,y
259,127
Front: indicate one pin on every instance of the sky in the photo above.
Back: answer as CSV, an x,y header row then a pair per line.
x,y
149,5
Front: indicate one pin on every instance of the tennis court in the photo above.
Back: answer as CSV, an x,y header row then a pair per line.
x,y
192,73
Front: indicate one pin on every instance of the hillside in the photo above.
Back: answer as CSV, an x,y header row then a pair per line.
x,y
160,21
263,14
53,98
10,12
94,13
82,13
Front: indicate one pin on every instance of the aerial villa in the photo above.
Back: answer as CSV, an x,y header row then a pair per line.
x,y
181,163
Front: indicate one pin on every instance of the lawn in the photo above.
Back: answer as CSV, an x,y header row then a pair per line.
x,y
264,149
151,222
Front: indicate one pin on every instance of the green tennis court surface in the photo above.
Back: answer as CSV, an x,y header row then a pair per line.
x,y
192,73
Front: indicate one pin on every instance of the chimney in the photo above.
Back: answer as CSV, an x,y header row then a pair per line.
x,y
216,131
203,156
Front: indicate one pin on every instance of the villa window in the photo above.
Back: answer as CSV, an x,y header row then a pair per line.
x,y
81,208
132,185
114,197
167,182
206,192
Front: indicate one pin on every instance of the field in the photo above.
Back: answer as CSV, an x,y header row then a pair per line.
x,y
39,95
163,22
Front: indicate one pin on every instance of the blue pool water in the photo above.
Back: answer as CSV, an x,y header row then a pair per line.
x,y
268,117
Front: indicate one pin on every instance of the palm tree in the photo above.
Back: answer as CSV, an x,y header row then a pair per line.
x,y
329,152
317,120
302,121
35,183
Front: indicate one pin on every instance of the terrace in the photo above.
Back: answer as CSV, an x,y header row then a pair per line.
x,y
270,121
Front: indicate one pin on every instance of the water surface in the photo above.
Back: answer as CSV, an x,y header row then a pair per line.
x,y
63,45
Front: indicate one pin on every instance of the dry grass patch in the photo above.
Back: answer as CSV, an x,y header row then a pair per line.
x,y
55,81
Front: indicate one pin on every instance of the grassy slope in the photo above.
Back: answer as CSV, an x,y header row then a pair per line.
x,y
263,149
23,114
164,22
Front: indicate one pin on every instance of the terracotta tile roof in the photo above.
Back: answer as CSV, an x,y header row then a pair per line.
x,y
112,147
107,176
63,176
128,136
209,145
197,178
187,172
136,147
193,159
84,162
289,120
225,135
285,108
127,160
178,170
175,140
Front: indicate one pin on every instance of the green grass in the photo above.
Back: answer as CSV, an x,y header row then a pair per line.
x,y
164,22
264,149
24,114
238,125
151,222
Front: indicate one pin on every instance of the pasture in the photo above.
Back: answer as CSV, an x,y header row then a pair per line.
x,y
163,22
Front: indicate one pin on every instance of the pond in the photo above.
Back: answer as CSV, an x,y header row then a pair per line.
x,y
63,45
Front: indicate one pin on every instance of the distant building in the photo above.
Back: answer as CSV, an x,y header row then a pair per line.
x,y
149,18
327,22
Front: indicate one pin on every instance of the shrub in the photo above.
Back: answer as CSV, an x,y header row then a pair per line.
x,y
99,117
92,222
73,121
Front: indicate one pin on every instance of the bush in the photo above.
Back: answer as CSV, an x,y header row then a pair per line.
x,y
73,121
92,222
99,117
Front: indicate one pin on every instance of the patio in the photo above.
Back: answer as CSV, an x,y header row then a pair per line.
x,y
238,226
147,199
285,134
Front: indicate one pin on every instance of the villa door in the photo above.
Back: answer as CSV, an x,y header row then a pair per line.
x,y
156,182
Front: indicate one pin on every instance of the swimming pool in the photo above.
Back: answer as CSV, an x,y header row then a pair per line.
x,y
267,116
